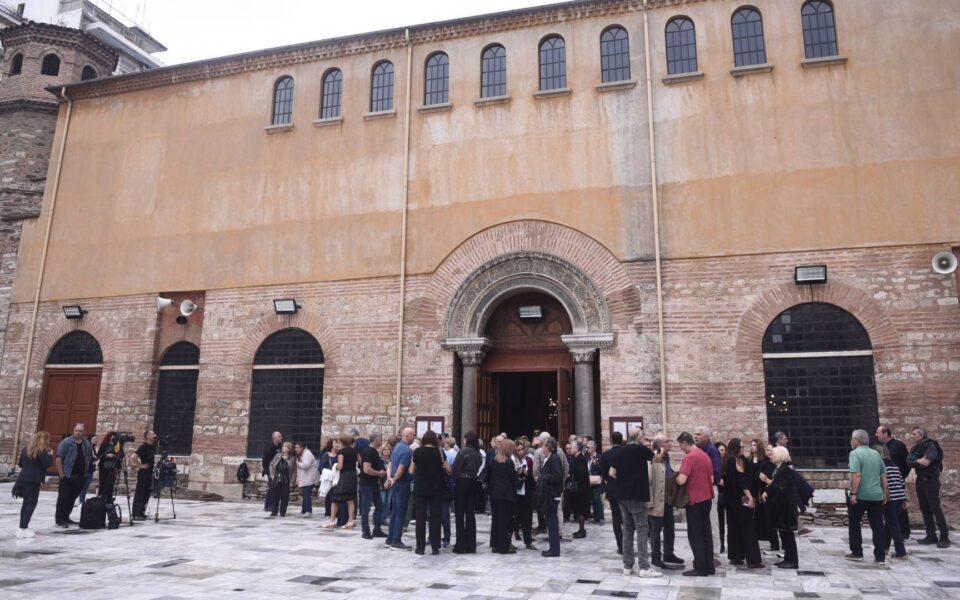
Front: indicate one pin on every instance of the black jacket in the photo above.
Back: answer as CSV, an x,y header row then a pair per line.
x,y
579,472
898,454
931,450
503,481
781,504
268,453
467,464
34,470
606,461
550,484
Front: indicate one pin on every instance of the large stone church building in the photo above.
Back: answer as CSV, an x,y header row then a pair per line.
x,y
566,218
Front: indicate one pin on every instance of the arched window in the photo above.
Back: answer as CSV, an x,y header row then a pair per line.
x,y
177,396
332,94
493,72
553,63
287,390
76,348
818,373
681,38
748,37
819,32
436,83
283,101
88,73
50,65
16,65
614,55
381,87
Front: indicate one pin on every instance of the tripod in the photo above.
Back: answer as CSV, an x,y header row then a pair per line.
x,y
161,481
156,516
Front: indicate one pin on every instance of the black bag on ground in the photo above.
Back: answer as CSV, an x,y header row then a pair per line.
x,y
93,513
114,517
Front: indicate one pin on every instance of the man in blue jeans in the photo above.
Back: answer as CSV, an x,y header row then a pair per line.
x,y
371,470
400,484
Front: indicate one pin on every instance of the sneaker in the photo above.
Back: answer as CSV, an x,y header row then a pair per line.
x,y
930,539
306,515
900,556
852,556
379,534
63,524
627,572
72,522
367,536
694,573
649,573
399,546
786,565
20,533
944,543
658,563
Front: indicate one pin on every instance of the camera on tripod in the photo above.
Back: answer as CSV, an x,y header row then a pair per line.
x,y
123,437
165,473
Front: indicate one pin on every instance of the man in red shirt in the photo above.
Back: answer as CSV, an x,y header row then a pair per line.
x,y
696,474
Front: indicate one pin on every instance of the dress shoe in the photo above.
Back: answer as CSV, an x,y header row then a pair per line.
x,y
379,534
694,573
658,563
434,552
930,539
758,565
72,522
548,554
579,535
419,551
458,550
367,536
673,559
732,562
854,557
944,543
530,547
786,565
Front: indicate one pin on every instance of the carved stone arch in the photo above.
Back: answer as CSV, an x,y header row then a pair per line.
x,y
776,299
516,272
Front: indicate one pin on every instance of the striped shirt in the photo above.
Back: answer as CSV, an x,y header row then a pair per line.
x,y
895,483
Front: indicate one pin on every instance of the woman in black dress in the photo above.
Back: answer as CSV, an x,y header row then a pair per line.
x,y
428,465
739,503
578,486
781,507
503,492
763,470
346,488
466,467
721,499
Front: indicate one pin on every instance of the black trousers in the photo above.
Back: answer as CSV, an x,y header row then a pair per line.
x,y
464,502
523,517
280,499
68,490
617,518
141,497
420,505
700,536
31,493
502,525
874,511
669,530
742,540
928,496
481,498
789,546
106,489
722,516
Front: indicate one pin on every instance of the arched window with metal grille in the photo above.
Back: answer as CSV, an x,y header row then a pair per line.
x,y
287,390
381,87
681,43
177,396
283,101
50,65
614,54
436,82
819,30
493,72
76,348
819,380
748,48
553,63
332,94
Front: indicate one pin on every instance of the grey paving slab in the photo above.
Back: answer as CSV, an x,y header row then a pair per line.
x,y
223,550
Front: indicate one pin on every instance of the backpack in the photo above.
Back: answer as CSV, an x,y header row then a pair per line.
x,y
93,513
243,472
114,517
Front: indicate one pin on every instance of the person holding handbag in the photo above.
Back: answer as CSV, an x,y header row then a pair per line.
x,y
35,459
578,487
345,489
428,465
283,476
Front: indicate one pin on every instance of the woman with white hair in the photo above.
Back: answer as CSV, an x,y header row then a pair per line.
x,y
781,508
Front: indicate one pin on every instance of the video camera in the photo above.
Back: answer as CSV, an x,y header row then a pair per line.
x,y
123,437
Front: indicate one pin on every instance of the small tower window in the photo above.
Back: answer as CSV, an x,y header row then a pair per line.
x,y
16,65
50,65
88,73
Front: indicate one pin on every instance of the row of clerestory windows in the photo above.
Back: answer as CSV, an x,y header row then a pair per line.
x,y
50,65
819,36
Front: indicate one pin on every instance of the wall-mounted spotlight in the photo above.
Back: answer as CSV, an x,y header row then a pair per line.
x,y
286,306
73,311
811,274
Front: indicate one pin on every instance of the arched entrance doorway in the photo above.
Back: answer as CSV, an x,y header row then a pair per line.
x,y
71,386
502,353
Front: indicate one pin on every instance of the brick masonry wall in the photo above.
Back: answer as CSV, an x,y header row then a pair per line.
x,y
715,314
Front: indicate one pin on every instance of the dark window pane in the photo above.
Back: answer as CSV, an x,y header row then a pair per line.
x,y
289,347
76,348
553,64
614,55
748,46
819,32
283,101
16,65
50,65
181,353
286,400
332,94
493,72
815,327
176,405
88,73
437,81
381,87
681,42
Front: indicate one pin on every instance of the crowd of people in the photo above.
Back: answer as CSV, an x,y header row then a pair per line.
x,y
735,494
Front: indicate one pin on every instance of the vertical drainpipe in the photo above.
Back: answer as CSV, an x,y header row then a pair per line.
x,y
655,198
403,221
43,263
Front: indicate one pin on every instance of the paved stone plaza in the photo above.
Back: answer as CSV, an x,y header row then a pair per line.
x,y
222,550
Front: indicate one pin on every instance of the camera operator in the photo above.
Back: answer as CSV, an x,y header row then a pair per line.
x,y
143,460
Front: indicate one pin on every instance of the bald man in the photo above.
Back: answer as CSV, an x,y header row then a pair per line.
x,y
400,459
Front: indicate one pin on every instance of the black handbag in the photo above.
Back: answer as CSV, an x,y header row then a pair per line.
x,y
572,487
17,490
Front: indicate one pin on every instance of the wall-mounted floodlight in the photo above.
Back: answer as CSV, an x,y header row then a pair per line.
x,y
286,306
73,311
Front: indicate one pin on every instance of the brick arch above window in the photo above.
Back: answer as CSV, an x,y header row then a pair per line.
x,y
60,327
272,323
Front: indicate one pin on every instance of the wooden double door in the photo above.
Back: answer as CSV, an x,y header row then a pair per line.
x,y
69,396
489,409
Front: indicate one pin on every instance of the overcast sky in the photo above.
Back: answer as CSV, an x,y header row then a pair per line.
x,y
198,29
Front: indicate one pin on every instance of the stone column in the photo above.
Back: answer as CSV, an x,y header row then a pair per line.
x,y
471,352
584,419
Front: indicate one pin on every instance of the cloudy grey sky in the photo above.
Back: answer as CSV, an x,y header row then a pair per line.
x,y
198,29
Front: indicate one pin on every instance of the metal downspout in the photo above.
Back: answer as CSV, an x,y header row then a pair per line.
x,y
403,225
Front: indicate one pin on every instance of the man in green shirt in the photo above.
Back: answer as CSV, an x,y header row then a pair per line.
x,y
868,494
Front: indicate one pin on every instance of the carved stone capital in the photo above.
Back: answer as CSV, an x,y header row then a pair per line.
x,y
471,358
583,355
470,350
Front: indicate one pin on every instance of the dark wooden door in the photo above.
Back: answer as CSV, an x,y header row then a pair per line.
x,y
69,396
564,406
487,404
